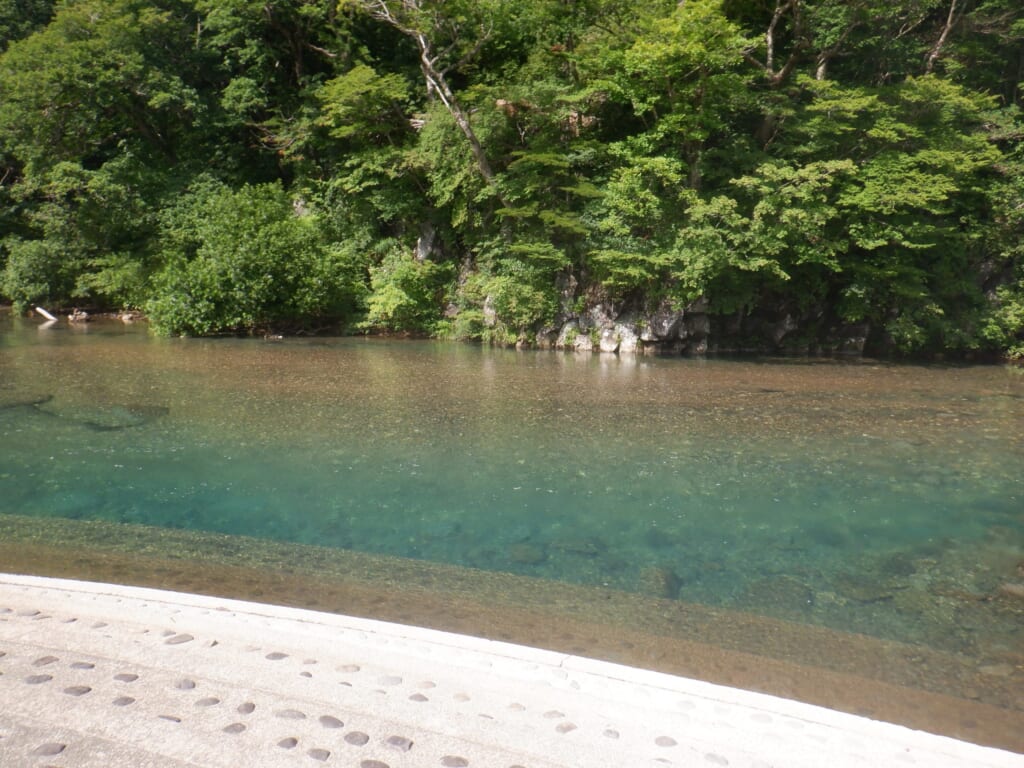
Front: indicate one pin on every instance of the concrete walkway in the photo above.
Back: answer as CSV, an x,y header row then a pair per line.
x,y
105,676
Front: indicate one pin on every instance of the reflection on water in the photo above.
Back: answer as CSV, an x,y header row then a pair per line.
x,y
870,498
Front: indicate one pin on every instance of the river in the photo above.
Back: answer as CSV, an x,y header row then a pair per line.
x,y
847,532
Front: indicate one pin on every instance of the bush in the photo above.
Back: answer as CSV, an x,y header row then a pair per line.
x,y
244,260
37,272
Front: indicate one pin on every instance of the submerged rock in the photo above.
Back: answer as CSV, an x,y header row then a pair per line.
x,y
660,581
14,400
115,417
782,592
862,588
588,546
899,564
527,554
1011,590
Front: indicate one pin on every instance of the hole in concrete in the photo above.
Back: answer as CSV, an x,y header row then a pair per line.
x,y
665,741
42,661
234,728
418,697
401,743
247,708
711,757
83,665
49,749
356,738
209,701
291,714
565,727
454,761
123,701
37,679
328,721
319,754
276,656
126,677
170,718
288,743
77,690
185,685
179,639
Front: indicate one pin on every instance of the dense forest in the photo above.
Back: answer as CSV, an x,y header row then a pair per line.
x,y
780,175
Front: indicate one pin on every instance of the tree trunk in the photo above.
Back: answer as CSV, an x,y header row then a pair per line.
x,y
437,84
434,76
936,50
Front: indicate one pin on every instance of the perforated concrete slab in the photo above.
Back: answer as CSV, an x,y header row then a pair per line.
x,y
104,675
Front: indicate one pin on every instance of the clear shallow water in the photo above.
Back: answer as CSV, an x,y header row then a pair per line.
x,y
886,500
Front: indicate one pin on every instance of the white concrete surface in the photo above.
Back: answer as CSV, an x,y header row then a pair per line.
x,y
104,676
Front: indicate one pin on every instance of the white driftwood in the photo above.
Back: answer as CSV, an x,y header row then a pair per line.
x,y
45,314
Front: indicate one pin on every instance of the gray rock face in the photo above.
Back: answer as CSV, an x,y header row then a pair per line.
x,y
629,338
490,314
567,335
583,343
598,316
609,340
698,325
662,324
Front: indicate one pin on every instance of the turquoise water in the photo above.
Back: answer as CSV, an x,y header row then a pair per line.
x,y
868,497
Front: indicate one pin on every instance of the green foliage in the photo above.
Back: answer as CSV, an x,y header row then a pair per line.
x,y
405,293
19,18
242,260
37,272
859,163
364,104
93,77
